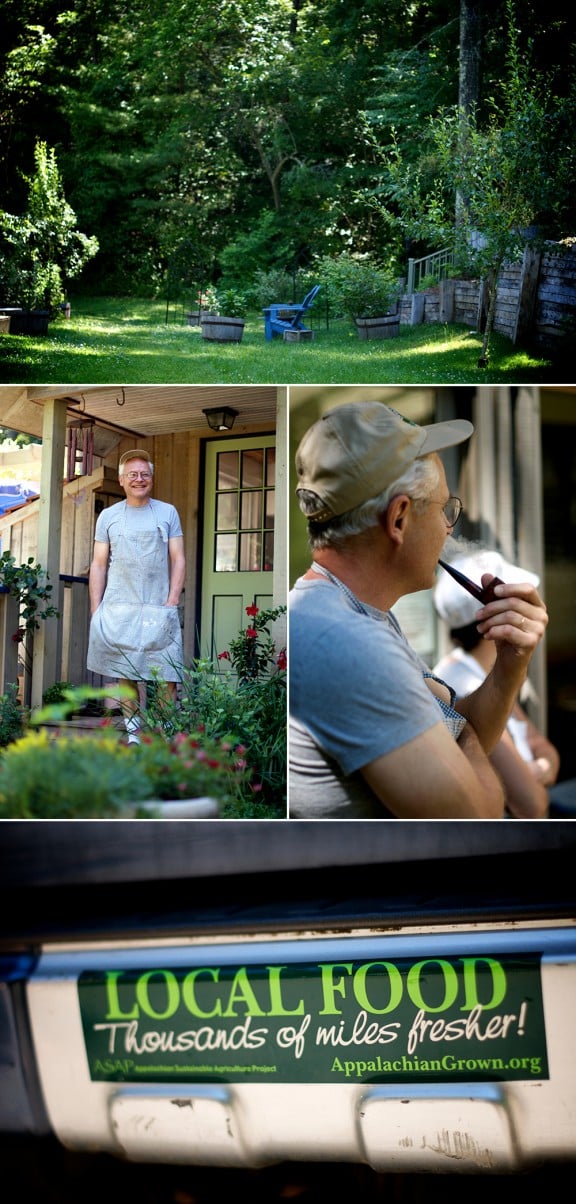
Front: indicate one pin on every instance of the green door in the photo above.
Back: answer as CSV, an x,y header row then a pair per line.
x,y
238,543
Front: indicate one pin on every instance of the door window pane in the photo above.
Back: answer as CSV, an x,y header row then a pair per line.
x,y
225,554
250,552
227,470
270,501
252,468
268,551
251,512
270,467
227,511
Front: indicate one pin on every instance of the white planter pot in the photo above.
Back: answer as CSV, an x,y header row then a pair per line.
x,y
187,808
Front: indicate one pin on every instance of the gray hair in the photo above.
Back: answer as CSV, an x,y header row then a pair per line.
x,y
419,482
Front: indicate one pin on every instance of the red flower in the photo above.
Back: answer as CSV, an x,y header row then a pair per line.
x,y
223,656
252,610
251,633
18,635
281,661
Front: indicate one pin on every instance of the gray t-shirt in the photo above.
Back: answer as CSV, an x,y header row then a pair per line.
x,y
137,518
356,693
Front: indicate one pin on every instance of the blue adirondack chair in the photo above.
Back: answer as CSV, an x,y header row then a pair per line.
x,y
280,317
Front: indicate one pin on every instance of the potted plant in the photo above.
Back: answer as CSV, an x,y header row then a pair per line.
x,y
360,289
47,776
206,303
41,248
227,323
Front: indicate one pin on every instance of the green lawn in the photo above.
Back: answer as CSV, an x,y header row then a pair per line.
x,y
131,341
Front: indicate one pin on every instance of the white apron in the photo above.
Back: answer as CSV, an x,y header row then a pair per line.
x,y
133,634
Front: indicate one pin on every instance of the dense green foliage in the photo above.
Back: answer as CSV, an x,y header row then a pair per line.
x,y
41,250
200,142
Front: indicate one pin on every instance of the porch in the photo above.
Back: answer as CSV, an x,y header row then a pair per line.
x,y
84,430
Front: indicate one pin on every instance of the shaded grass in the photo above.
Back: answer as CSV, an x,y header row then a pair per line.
x,y
109,340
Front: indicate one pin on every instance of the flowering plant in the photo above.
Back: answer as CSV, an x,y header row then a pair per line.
x,y
42,777
253,651
208,299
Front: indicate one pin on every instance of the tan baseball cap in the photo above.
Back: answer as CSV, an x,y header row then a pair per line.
x,y
355,451
136,453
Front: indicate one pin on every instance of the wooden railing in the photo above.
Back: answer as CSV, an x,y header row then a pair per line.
x,y
71,632
437,266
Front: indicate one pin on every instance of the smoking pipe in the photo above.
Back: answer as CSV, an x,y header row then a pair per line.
x,y
483,595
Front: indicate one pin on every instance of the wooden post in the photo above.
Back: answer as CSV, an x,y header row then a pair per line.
x,y
528,294
417,313
9,624
447,302
45,661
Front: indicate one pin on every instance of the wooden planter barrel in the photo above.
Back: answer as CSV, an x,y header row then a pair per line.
x,y
33,321
385,327
222,330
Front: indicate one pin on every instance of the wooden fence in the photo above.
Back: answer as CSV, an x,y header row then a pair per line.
x,y
535,299
71,633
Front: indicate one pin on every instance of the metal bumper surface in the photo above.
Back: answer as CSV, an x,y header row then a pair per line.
x,y
448,1049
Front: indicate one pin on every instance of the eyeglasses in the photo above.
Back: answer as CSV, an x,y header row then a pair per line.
x,y
452,510
135,476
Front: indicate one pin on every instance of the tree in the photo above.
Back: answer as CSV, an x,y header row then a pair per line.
x,y
42,248
512,171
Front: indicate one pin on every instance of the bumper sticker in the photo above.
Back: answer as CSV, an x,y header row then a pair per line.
x,y
401,1020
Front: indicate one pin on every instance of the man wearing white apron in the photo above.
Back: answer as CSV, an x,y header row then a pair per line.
x,y
136,579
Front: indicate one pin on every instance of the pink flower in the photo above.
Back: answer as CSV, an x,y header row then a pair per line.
x,y
281,661
252,610
251,633
223,656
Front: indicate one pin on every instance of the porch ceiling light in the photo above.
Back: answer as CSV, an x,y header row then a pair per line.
x,y
220,418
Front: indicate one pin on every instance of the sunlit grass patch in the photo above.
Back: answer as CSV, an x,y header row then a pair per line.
x,y
111,340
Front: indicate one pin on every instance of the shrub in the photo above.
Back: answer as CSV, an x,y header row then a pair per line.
x,y
96,776
43,249
231,302
357,287
12,716
272,287
58,692
241,699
